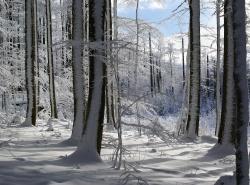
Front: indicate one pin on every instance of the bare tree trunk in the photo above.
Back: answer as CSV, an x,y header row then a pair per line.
x,y
218,71
30,60
194,92
208,79
63,53
97,68
151,66
117,102
137,62
183,62
78,71
181,127
52,92
240,80
226,130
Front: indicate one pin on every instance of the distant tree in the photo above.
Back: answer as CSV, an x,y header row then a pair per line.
x,y
170,51
183,61
152,88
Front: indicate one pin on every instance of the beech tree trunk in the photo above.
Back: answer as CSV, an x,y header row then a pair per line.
x,y
78,71
241,89
30,61
90,144
226,130
192,126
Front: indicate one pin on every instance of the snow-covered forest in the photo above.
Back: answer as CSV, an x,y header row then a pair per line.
x,y
90,96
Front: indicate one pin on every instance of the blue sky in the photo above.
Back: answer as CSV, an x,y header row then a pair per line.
x,y
154,11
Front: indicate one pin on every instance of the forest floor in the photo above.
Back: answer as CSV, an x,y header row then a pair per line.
x,y
32,156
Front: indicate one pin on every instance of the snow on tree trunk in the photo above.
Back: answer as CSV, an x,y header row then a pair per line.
x,y
52,93
241,89
30,60
78,71
226,135
87,151
194,91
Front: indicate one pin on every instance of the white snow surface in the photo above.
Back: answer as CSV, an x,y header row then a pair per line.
x,y
34,156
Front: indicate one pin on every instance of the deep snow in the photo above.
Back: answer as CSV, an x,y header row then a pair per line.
x,y
32,156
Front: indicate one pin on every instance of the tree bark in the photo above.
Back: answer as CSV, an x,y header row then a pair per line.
x,y
192,127
240,80
78,71
226,130
30,60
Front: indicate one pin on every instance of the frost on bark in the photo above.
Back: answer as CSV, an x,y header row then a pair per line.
x,y
89,147
192,126
226,130
30,60
78,71
241,90
52,93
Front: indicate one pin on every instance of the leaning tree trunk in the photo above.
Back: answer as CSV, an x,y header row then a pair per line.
x,y
240,80
52,93
78,71
90,144
30,60
226,130
192,126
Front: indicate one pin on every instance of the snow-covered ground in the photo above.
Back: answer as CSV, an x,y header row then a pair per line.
x,y
32,156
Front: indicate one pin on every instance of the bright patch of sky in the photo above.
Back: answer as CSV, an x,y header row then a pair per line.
x,y
161,14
